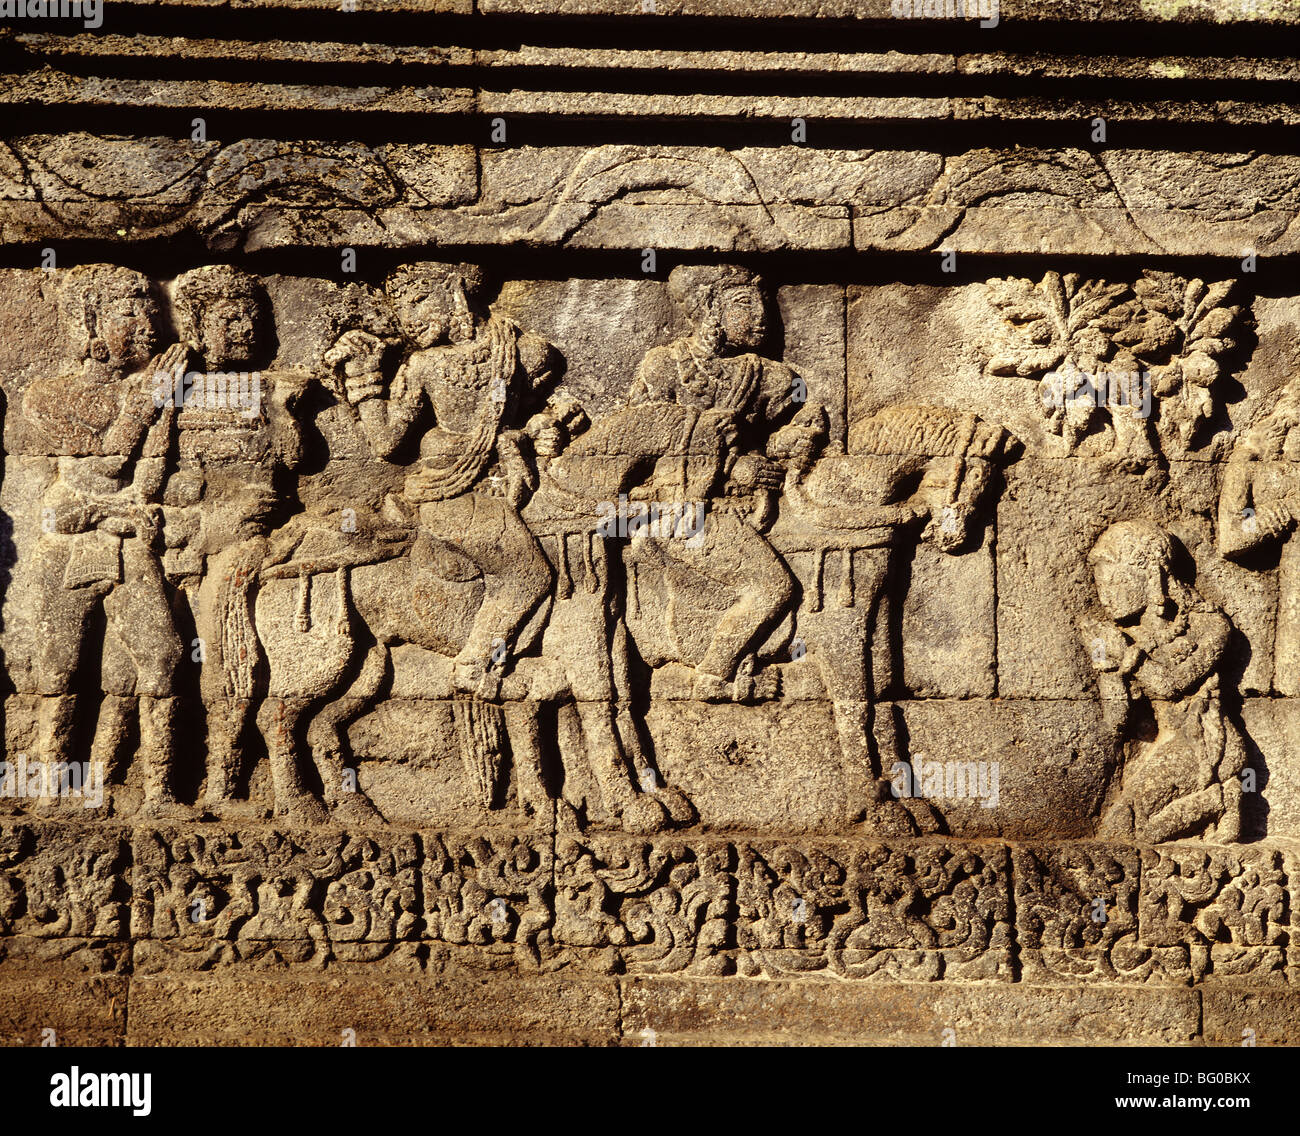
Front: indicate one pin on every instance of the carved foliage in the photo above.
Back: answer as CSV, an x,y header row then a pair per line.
x,y
1080,336
211,889
63,883
665,905
1224,910
1076,914
489,891
920,912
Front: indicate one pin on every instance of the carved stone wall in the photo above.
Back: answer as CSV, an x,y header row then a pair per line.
x,y
650,523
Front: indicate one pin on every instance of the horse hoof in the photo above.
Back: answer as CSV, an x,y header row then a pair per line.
x,y
304,812
766,685
903,817
212,808
163,810
231,809
357,809
45,806
923,816
645,814
710,688
678,804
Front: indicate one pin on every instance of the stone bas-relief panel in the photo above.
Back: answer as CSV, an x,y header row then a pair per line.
x,y
710,624
569,522
357,543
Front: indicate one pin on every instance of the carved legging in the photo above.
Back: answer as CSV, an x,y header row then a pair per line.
x,y
737,556
516,574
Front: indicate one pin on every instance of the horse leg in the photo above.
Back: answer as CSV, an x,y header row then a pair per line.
x,y
579,620
325,736
677,803
640,812
278,720
868,738
524,730
226,722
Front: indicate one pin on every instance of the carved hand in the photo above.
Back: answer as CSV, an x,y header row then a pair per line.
x,y
754,472
1108,648
1273,519
520,478
548,436
177,355
128,517
359,355
797,445
174,358
1132,660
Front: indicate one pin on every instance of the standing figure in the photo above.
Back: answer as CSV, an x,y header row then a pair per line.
x,y
1259,506
237,438
1158,639
100,526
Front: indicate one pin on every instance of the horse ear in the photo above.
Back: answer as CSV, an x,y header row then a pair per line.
x,y
459,301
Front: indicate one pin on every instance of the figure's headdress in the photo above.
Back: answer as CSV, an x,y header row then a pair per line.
x,y
85,290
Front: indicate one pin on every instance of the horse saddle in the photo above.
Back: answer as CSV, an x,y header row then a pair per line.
x,y
328,550
438,568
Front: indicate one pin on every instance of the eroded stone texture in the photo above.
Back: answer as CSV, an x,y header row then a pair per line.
x,y
790,544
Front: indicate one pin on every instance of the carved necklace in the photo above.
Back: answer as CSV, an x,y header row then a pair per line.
x,y
483,360
700,373
1162,631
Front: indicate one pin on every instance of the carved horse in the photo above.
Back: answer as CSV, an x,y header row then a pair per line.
x,y
328,626
920,472
329,630
917,473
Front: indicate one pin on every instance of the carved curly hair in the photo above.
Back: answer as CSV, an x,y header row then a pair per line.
x,y
418,276
194,289
1137,543
86,288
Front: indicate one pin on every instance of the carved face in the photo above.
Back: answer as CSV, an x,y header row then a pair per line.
x,y
126,327
425,313
1125,589
227,333
742,315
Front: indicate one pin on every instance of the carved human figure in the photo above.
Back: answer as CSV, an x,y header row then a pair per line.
x,y
238,436
1259,506
717,367
692,462
236,409
1157,639
447,565
470,388
100,525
